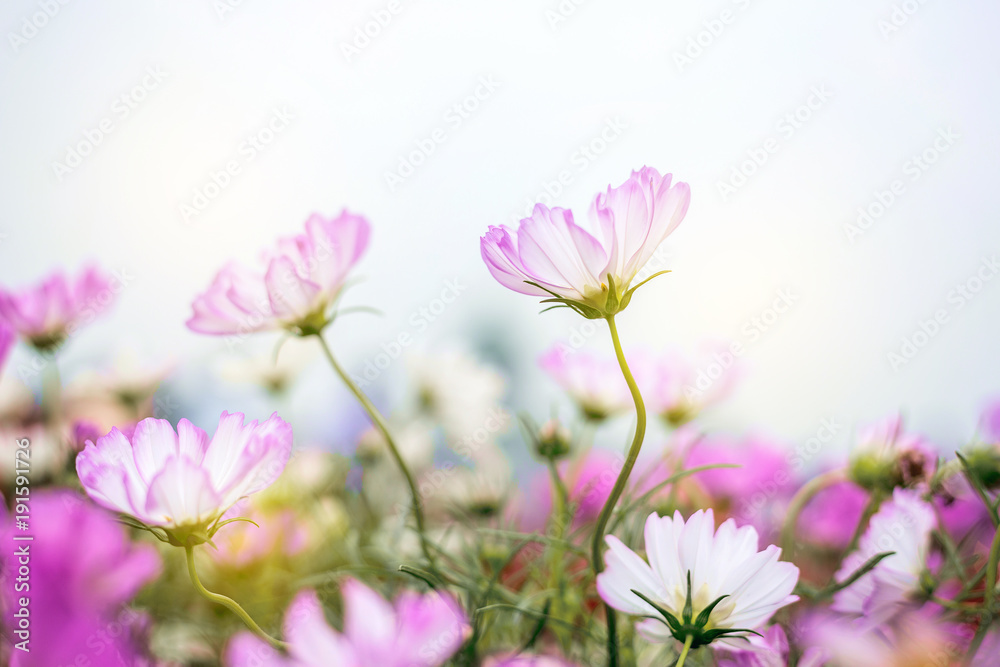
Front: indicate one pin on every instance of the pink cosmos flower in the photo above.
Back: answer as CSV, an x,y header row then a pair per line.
x,y
589,481
243,545
692,558
44,315
593,381
83,569
902,526
527,660
416,631
591,269
887,456
989,423
301,279
769,650
679,387
179,480
832,516
7,339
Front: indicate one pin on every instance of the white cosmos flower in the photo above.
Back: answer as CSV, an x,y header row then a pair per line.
x,y
720,563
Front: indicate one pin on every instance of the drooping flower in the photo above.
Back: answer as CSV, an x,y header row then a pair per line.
x,y
83,569
44,315
886,456
416,631
902,526
711,585
179,480
302,278
593,381
590,270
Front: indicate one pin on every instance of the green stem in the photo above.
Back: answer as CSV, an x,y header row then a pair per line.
x,y
874,501
229,603
808,491
51,388
684,653
991,573
383,427
619,487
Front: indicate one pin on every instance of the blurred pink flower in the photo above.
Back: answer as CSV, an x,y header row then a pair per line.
x,y
903,526
302,277
240,545
723,562
416,631
886,455
588,479
989,423
679,387
527,660
7,339
571,262
83,569
833,514
593,381
769,650
179,480
44,315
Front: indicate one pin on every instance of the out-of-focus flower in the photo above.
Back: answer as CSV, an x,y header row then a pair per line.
x,y
44,315
679,387
463,395
179,480
416,631
552,440
902,526
480,492
769,650
302,278
983,458
83,569
886,456
48,451
731,586
593,381
833,514
414,441
7,339
588,479
527,660
129,381
590,270
241,544
989,423
275,373
759,486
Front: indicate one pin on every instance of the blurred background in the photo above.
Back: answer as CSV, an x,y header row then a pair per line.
x,y
842,157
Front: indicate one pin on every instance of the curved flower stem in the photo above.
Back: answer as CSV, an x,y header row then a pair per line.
x,y
619,487
684,653
798,503
380,424
229,603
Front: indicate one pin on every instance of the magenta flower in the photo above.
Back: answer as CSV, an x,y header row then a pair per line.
x,y
301,279
82,570
416,631
594,382
589,270
181,481
44,315
832,516
990,422
902,526
7,339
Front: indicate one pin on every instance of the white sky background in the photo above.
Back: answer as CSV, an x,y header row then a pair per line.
x,y
784,229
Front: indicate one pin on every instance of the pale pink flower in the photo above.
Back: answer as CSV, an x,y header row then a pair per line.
x,y
886,456
301,279
7,339
573,263
679,387
44,315
243,544
989,423
902,526
593,381
692,557
769,650
527,660
416,631
179,480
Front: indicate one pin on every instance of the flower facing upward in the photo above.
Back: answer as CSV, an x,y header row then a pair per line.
x,y
302,277
707,584
416,631
589,270
44,315
180,481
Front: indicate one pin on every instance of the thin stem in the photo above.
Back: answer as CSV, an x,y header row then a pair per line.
x,y
798,503
379,421
684,653
991,573
229,603
616,491
874,500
